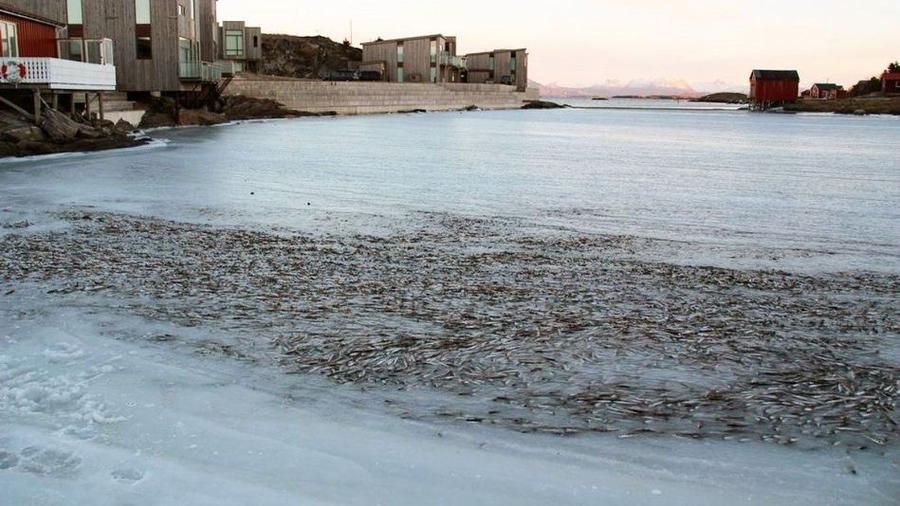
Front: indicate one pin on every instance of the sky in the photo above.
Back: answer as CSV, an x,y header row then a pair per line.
x,y
583,42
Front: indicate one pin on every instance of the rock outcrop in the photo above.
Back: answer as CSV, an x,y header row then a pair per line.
x,y
59,133
306,57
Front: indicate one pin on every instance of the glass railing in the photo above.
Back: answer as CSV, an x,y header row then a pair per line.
x,y
452,61
200,71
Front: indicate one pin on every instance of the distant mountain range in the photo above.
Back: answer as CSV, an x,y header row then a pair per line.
x,y
639,88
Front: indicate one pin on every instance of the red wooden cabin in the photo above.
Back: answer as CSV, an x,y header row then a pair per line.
x,y
890,82
827,91
774,86
23,34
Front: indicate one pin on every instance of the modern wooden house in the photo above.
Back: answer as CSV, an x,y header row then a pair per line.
x,y
500,66
159,45
241,45
424,59
30,61
769,88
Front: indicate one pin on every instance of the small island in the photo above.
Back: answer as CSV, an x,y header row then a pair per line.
x,y
723,98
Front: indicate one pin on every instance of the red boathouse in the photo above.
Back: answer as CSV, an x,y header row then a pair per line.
x,y
769,88
26,35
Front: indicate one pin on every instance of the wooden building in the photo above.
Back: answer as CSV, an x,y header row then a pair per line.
x,y
241,44
827,91
160,45
770,88
500,66
890,82
424,59
31,68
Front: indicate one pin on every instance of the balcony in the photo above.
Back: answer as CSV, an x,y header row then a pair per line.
x,y
452,61
200,71
60,74
96,51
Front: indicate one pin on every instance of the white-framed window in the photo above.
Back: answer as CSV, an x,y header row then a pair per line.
x,y
182,11
10,40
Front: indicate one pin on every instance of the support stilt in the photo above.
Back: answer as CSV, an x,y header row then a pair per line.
x,y
37,107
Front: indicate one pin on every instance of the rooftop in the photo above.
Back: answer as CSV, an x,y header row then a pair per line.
x,y
403,39
16,11
497,51
775,75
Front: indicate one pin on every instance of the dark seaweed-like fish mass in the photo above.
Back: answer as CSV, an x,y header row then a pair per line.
x,y
555,331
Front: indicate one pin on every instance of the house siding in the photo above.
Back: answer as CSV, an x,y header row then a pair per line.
x,y
36,40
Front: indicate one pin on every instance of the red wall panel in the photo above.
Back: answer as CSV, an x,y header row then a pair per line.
x,y
35,39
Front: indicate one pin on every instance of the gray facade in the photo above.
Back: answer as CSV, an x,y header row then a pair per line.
x,y
240,44
500,66
424,59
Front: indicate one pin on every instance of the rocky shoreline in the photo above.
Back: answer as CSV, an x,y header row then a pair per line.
x,y
60,133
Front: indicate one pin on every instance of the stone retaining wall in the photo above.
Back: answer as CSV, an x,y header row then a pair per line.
x,y
348,98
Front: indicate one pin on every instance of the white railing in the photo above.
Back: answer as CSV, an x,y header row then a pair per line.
x,y
59,74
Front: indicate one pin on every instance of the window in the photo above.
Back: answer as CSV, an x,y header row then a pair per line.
x,y
144,48
434,51
141,12
492,63
75,12
76,50
234,43
143,41
182,11
256,41
400,75
185,50
434,74
400,52
9,39
193,9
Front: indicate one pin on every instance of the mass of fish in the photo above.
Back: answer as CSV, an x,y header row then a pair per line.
x,y
545,331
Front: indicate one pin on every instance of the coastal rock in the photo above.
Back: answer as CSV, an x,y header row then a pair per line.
x,y
239,107
191,117
542,104
24,132
59,127
123,127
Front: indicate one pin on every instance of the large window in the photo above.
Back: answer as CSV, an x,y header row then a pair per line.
x,y
9,39
400,52
400,75
143,30
75,12
141,12
234,43
434,74
185,50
